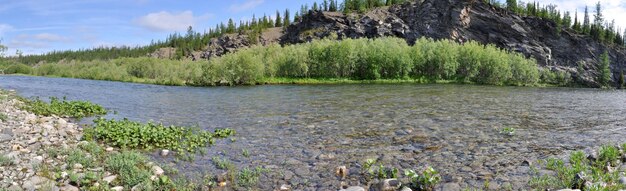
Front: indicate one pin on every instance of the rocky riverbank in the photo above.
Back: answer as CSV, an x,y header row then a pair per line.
x,y
36,152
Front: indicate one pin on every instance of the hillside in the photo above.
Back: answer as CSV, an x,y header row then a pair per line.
x,y
554,47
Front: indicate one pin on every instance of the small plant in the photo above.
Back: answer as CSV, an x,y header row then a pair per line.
x,y
223,164
247,178
581,170
427,180
3,117
508,131
245,153
5,161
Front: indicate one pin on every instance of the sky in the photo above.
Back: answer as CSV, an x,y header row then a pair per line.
x,y
40,26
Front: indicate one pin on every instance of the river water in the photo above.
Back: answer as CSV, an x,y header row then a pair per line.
x,y
302,133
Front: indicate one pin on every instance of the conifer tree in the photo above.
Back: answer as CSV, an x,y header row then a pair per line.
x,y
279,20
586,24
333,6
287,18
315,8
325,5
604,69
576,26
511,5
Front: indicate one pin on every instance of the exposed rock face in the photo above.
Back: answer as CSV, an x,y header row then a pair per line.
x,y
458,20
232,42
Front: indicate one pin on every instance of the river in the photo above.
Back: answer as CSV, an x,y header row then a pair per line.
x,y
302,133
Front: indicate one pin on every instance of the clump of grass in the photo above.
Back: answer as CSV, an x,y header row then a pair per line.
x,y
130,167
75,109
510,131
245,153
3,117
79,157
5,161
223,164
248,178
581,173
134,135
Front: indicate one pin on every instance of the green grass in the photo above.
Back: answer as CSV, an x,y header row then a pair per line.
x,y
508,131
75,109
383,60
223,164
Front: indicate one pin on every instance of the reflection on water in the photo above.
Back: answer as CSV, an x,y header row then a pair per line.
x,y
306,131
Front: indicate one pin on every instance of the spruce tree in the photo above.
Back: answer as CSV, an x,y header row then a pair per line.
x,y
279,20
325,5
287,18
315,8
576,26
511,5
604,73
333,6
586,24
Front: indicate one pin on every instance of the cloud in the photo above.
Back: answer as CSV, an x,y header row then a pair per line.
x,y
5,28
250,4
17,44
166,21
45,37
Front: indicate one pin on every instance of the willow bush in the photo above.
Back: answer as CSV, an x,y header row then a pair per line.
x,y
355,59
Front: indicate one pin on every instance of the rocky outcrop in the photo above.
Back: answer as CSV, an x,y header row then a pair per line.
x,y
458,20
232,42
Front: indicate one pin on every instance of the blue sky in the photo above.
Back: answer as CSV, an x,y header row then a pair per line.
x,y
39,26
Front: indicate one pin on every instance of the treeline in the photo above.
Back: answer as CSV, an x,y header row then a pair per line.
x,y
186,44
354,59
599,28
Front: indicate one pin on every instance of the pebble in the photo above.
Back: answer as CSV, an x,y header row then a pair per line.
x,y
353,188
118,188
69,188
109,149
157,171
285,187
109,179
165,152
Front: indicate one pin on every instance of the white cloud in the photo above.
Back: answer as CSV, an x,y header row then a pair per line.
x,y
5,28
250,4
50,37
166,21
19,44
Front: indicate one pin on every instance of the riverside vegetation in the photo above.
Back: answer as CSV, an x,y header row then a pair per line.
x,y
82,161
324,61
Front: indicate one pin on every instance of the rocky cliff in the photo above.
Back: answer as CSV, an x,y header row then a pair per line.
x,y
458,20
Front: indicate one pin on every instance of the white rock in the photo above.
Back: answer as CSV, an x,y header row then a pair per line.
x,y
109,149
285,187
109,179
69,188
353,188
77,166
61,123
158,171
165,152
118,188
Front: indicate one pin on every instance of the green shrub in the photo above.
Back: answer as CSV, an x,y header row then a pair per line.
x,y
358,59
18,69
